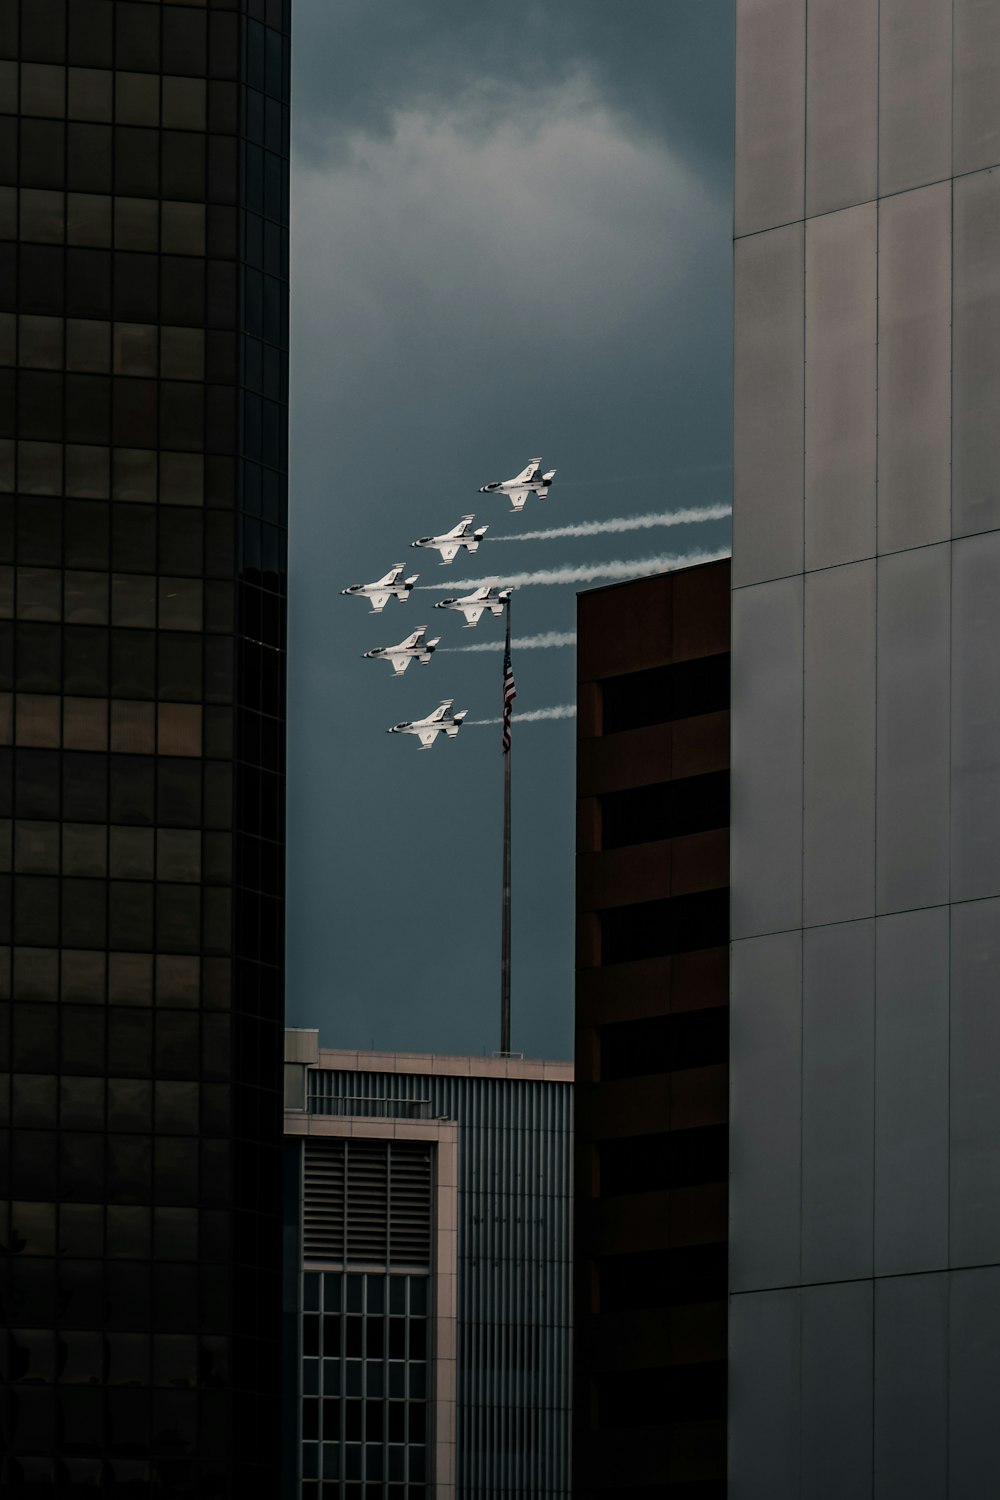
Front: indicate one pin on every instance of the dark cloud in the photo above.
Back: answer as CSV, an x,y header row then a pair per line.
x,y
358,62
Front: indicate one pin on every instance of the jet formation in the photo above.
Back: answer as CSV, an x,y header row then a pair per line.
x,y
472,605
449,543
441,721
393,585
414,648
521,486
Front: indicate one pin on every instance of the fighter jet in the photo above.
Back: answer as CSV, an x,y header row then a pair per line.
x,y
441,721
449,542
382,589
414,648
472,605
521,486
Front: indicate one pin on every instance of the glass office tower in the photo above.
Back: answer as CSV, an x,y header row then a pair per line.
x,y
865,1188
143,381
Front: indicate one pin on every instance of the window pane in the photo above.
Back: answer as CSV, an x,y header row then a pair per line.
x,y
83,976
133,600
8,339
130,978
184,103
135,349
39,468
182,353
40,345
84,849
88,346
179,729
86,598
90,94
43,216
38,594
136,223
88,472
137,99
131,853
88,219
43,90
36,848
85,723
180,603
135,474
133,728
183,228
37,720
182,478
177,977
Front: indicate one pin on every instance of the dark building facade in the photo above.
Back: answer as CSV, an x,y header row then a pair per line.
x,y
652,1037
143,389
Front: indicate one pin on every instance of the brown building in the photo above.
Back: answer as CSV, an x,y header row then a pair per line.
x,y
652,1036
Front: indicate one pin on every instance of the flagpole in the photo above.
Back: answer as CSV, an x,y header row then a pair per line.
x,y
505,923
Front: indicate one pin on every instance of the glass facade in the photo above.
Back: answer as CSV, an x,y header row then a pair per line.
x,y
364,1427
143,391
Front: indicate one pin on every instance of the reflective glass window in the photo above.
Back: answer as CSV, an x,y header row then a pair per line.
x,y
177,975
133,728
133,600
182,478
88,158
134,475
36,720
88,346
8,338
182,353
133,664
136,223
39,467
84,849
86,535
83,976
40,343
180,603
43,90
184,103
135,349
137,99
85,660
131,853
88,219
38,591
85,723
130,978
86,598
36,848
43,216
182,228
88,471
89,92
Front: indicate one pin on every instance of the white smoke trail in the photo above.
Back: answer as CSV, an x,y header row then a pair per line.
x,y
686,517
587,573
535,715
526,642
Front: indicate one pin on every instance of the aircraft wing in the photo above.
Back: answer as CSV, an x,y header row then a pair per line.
x,y
399,664
426,737
379,602
518,497
526,473
411,640
448,553
392,574
439,712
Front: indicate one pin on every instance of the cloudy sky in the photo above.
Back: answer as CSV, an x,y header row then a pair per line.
x,y
511,235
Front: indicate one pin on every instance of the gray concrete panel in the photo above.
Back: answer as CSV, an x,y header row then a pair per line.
x,y
764,1396
914,104
838,1100
837,1383
840,405
838,862
914,368
975,1097
765,1129
911,1091
977,85
914,741
911,1388
768,405
766,817
770,112
976,354
974,1380
975,717
841,104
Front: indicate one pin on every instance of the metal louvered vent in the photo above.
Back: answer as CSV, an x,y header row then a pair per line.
x,y
323,1201
367,1202
410,1212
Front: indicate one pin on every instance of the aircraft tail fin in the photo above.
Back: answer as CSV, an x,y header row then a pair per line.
x,y
549,475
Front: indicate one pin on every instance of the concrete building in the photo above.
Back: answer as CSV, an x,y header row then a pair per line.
x,y
865,1188
427,1275
652,1032
143,382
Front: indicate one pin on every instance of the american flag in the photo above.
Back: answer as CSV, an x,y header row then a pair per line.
x,y
509,694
